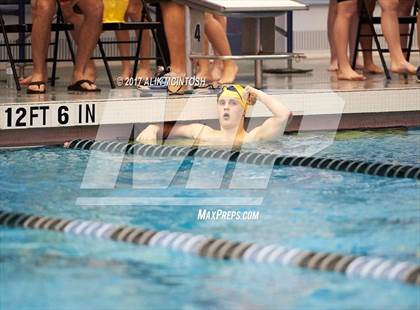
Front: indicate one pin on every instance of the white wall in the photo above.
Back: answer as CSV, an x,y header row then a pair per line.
x,y
310,31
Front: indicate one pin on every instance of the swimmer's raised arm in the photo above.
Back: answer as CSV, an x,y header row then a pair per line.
x,y
274,126
151,133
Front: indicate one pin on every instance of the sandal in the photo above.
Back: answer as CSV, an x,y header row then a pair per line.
x,y
39,91
78,87
175,86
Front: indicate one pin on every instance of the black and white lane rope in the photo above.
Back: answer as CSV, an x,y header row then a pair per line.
x,y
356,166
362,266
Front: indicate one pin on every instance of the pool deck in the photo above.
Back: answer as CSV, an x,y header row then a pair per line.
x,y
317,99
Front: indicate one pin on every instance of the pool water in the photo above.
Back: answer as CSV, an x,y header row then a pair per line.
x,y
302,207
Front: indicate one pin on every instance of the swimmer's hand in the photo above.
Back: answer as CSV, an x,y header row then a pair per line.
x,y
148,135
251,95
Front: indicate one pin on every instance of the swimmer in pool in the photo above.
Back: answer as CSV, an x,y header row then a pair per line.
x,y
232,104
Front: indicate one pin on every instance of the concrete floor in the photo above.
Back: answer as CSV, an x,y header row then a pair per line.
x,y
318,79
317,100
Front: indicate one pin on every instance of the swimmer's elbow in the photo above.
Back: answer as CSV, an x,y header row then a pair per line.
x,y
284,119
289,117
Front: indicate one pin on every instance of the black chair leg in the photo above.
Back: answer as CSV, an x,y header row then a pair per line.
x,y
9,53
137,54
359,29
55,55
160,50
411,34
136,61
70,46
60,20
108,70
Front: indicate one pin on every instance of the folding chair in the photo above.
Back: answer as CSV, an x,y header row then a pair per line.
x,y
16,8
60,25
23,28
146,23
9,51
366,18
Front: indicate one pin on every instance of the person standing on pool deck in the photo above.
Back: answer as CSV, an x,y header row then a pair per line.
x,y
232,104
346,9
368,65
42,16
222,72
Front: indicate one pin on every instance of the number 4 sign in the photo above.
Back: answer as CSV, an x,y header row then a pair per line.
x,y
197,31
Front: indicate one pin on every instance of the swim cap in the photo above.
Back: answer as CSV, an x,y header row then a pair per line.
x,y
234,91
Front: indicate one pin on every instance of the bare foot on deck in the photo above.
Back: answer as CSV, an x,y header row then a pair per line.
x,y
34,87
216,71
333,65
25,80
349,75
204,73
403,68
125,73
144,73
90,71
229,73
359,66
373,69
206,78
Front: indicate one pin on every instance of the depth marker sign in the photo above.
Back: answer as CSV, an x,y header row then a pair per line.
x,y
48,115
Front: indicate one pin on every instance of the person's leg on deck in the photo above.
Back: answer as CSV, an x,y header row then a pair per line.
x,y
42,16
77,20
134,13
216,34
204,64
352,41
217,67
173,16
366,42
391,31
405,8
332,14
345,12
89,33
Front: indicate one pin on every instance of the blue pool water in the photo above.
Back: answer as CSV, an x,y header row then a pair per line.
x,y
302,207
